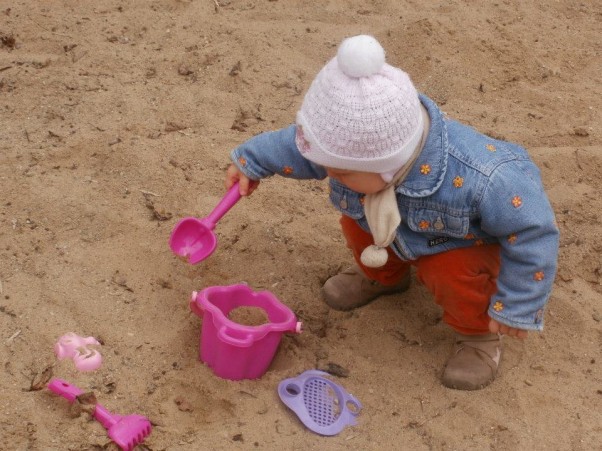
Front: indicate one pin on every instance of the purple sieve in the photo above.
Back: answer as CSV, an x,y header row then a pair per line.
x,y
322,405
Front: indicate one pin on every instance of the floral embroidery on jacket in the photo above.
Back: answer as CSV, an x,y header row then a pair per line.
x,y
458,182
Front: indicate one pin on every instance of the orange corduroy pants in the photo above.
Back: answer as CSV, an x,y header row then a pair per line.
x,y
462,281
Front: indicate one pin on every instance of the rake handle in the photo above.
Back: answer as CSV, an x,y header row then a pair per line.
x,y
104,417
71,392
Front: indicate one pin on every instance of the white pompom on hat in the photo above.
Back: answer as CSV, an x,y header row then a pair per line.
x,y
360,113
360,56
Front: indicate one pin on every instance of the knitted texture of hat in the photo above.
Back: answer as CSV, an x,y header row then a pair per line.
x,y
360,113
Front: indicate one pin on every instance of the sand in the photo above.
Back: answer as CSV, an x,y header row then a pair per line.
x,y
116,120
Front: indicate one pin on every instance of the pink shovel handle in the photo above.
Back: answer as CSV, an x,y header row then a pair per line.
x,y
224,205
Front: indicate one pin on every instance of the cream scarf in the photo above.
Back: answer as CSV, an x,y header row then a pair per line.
x,y
382,211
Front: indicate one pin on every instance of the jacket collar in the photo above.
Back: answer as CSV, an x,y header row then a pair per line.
x,y
429,169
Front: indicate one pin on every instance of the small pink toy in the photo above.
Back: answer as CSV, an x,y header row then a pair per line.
x,y
236,351
127,431
194,238
75,347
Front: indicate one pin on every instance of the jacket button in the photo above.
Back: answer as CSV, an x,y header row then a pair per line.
x,y
439,224
343,204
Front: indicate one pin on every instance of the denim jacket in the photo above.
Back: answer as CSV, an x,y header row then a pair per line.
x,y
465,189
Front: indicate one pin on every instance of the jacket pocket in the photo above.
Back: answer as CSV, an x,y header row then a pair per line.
x,y
346,201
438,223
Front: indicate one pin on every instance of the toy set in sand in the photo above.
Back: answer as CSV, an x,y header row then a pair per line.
x,y
236,351
232,350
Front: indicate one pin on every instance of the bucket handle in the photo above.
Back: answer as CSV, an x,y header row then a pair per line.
x,y
222,333
194,305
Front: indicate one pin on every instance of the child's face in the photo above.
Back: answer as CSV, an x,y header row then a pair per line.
x,y
362,182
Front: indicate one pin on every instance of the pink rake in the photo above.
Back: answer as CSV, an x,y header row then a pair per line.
x,y
126,431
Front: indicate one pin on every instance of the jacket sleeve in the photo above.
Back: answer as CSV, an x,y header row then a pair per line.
x,y
516,210
272,153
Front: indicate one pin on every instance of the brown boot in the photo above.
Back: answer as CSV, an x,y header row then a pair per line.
x,y
351,289
474,362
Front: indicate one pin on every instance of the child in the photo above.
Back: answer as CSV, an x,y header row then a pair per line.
x,y
416,188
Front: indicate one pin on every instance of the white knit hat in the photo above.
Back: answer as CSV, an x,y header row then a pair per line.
x,y
360,113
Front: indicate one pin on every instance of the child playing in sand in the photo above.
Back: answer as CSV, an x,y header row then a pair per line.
x,y
416,188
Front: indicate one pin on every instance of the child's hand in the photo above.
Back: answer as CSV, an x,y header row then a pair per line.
x,y
498,328
245,185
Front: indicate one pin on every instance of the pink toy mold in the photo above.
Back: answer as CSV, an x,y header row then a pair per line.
x,y
74,347
236,351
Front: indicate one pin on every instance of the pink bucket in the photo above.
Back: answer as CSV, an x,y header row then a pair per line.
x,y
236,351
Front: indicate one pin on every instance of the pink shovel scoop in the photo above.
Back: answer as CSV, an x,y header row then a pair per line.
x,y
193,238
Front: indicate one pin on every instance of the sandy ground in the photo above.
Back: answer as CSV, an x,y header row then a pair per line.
x,y
116,119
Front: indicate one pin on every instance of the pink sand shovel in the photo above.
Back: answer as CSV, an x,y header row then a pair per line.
x,y
194,238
